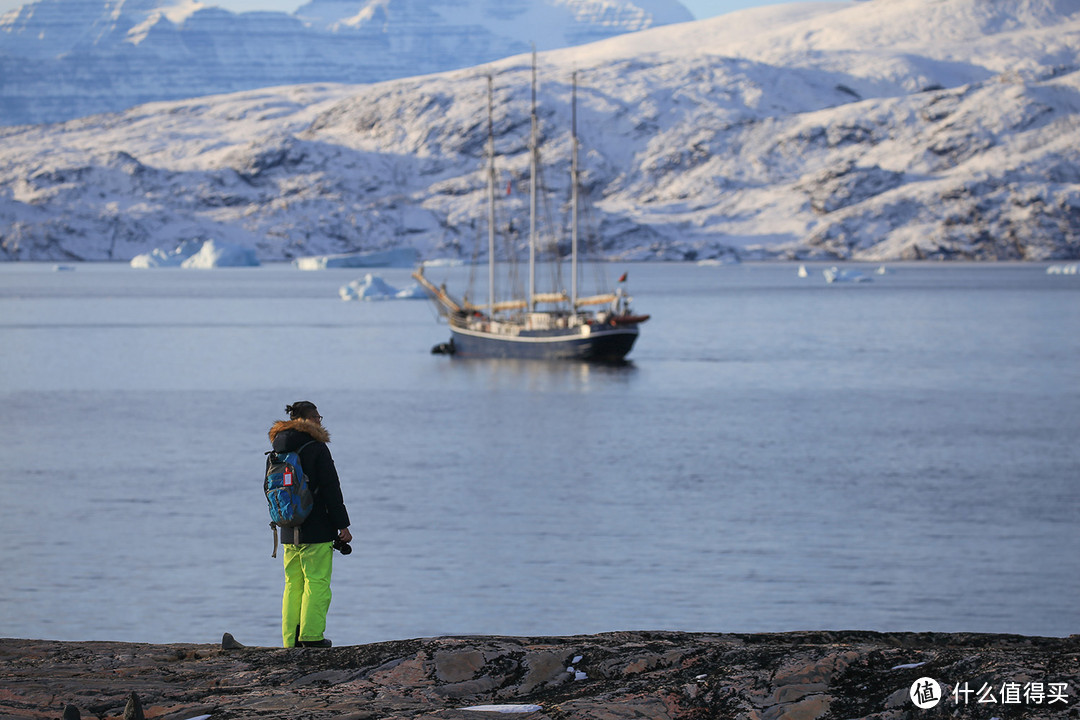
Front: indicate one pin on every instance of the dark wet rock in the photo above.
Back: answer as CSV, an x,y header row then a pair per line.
x,y
228,642
133,710
659,675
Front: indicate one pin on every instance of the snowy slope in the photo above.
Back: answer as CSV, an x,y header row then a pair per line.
x,y
61,59
874,130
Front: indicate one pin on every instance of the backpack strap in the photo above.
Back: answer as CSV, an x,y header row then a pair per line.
x,y
296,530
272,451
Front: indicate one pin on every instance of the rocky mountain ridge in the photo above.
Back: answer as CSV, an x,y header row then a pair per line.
x,y
805,131
62,59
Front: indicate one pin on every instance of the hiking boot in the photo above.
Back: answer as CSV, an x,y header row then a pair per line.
x,y
324,643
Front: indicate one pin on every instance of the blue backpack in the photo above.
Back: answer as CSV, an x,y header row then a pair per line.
x,y
288,496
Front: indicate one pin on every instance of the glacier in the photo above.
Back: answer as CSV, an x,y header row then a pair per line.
x,y
400,258
876,131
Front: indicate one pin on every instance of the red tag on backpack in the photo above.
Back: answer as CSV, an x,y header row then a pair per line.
x,y
288,477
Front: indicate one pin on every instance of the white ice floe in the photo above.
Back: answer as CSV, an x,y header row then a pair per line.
x,y
909,666
836,275
1071,269
401,257
373,287
505,708
199,254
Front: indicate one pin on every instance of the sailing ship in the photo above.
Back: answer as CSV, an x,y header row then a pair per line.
x,y
541,325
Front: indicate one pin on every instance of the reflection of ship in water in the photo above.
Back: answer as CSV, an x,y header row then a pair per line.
x,y
541,375
556,324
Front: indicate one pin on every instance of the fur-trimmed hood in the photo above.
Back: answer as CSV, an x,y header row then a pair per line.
x,y
312,428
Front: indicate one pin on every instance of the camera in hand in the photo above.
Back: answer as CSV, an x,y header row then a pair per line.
x,y
342,547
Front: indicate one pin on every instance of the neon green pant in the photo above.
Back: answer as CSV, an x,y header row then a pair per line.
x,y
307,592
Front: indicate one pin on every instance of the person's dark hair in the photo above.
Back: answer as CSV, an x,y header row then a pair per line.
x,y
302,409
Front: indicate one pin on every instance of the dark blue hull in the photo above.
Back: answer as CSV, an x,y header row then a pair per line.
x,y
603,343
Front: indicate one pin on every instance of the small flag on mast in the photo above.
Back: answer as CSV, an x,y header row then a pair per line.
x,y
623,277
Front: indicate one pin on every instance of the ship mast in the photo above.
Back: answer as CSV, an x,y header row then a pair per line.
x,y
534,164
574,199
491,201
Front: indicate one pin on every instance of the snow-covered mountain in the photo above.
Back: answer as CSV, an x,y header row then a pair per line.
x,y
61,59
873,130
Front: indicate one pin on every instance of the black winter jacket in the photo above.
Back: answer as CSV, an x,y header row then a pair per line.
x,y
328,515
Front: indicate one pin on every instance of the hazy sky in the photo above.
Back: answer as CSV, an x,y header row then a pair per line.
x,y
700,8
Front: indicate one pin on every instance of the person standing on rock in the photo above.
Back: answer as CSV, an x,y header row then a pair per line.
x,y
308,565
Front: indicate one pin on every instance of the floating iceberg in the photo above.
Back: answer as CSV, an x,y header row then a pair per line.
x,y
1071,269
198,254
443,262
402,257
171,258
373,287
836,275
218,254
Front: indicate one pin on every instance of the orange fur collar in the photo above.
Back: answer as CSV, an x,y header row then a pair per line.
x,y
310,427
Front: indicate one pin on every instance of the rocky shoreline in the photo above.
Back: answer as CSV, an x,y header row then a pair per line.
x,y
783,676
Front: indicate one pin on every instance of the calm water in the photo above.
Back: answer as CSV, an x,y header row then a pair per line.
x,y
781,454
